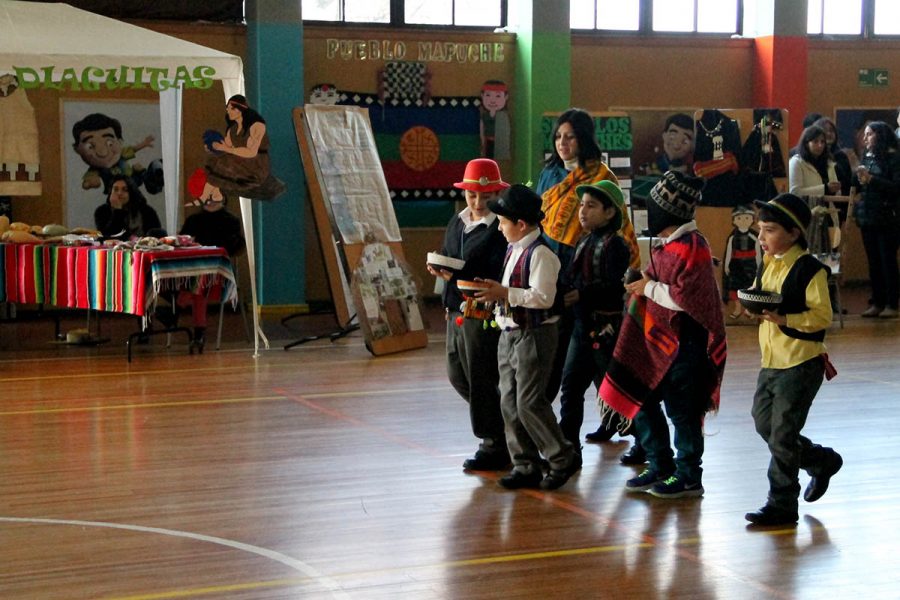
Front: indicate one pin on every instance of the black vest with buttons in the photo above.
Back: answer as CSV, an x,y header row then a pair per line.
x,y
793,293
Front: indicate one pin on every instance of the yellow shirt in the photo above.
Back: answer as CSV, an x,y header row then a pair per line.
x,y
780,351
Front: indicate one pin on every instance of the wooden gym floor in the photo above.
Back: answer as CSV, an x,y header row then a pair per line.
x,y
323,472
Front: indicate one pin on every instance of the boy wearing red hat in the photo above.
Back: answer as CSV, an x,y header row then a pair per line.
x,y
794,362
473,236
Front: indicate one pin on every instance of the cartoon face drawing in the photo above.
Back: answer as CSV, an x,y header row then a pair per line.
x,y
99,148
324,94
493,100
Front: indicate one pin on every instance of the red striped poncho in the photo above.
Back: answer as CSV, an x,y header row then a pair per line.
x,y
648,341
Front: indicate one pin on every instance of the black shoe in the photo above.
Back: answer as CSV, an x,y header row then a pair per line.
x,y
769,515
517,480
557,478
601,435
198,341
635,456
818,485
487,461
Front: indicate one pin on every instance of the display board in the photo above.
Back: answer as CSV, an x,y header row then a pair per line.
x,y
357,228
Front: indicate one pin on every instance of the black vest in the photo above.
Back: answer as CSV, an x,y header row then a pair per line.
x,y
793,293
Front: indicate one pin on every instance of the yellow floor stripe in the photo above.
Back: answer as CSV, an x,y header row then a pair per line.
x,y
38,411
205,591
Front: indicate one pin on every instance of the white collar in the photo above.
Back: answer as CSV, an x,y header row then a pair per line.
x,y
571,165
683,229
465,215
528,239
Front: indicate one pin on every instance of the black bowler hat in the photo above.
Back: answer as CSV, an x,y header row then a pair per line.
x,y
518,202
790,211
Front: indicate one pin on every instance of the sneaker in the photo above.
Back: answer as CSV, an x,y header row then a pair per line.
x,y
517,480
675,487
818,485
646,480
889,313
487,461
872,312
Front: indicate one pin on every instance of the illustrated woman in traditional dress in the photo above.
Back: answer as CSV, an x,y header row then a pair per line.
x,y
239,164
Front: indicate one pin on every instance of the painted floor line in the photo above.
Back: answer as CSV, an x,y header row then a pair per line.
x,y
290,562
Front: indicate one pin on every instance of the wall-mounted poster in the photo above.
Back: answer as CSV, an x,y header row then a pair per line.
x,y
102,139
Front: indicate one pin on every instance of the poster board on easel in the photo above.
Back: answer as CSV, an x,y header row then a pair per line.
x,y
357,228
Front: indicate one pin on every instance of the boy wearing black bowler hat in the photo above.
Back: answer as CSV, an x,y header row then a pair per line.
x,y
794,362
525,298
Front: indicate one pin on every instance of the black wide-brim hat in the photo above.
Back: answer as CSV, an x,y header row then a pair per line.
x,y
518,202
793,211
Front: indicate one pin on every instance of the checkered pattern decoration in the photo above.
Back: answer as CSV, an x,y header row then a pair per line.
x,y
404,81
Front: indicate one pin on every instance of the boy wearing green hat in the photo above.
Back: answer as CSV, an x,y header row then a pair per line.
x,y
596,296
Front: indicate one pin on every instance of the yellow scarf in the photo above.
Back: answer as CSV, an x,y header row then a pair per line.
x,y
560,206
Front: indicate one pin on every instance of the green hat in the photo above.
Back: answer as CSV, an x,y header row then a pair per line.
x,y
606,189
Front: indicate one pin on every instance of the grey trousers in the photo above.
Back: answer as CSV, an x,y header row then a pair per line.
x,y
780,407
525,358
472,369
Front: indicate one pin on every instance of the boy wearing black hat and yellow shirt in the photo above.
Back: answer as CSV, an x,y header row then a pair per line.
x,y
671,348
525,298
793,359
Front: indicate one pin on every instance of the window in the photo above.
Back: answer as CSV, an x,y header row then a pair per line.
x,y
835,17
663,16
887,17
477,13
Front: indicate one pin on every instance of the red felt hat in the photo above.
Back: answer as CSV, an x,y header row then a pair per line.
x,y
196,183
482,175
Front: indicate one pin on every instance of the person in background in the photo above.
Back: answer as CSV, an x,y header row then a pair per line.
x,y
842,167
126,215
575,160
875,200
791,341
811,168
474,236
212,226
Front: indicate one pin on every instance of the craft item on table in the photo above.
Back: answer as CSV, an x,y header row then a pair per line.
x,y
756,301
19,141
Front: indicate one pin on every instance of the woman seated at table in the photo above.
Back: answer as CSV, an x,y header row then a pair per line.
x,y
126,214
212,226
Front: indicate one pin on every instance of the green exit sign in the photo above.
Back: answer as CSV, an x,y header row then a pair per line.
x,y
873,78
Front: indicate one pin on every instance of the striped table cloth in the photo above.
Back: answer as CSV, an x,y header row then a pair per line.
x,y
108,279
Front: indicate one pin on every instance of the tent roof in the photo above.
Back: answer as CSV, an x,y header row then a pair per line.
x,y
38,35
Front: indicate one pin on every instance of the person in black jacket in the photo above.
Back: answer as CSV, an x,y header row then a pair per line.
x,y
876,209
473,236
126,214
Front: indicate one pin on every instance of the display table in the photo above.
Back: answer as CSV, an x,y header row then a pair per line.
x,y
109,279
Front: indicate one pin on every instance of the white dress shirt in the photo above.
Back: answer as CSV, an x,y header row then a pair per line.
x,y
542,276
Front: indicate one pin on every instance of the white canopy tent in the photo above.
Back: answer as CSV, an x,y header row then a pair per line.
x,y
59,42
